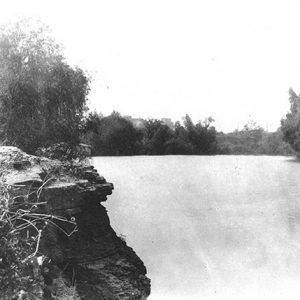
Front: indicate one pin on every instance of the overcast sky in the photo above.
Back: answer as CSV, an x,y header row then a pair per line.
x,y
232,60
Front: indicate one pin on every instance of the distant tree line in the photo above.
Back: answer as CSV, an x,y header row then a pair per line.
x,y
116,135
253,140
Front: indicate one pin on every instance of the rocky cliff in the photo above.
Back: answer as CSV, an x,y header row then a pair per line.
x,y
80,250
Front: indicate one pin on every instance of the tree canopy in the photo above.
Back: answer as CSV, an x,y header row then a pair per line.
x,y
117,135
290,126
111,135
42,97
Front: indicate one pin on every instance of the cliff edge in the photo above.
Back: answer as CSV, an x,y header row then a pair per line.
x,y
82,257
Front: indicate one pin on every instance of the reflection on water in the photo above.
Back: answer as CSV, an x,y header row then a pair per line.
x,y
220,227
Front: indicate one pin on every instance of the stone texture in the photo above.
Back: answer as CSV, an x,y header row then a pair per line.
x,y
97,263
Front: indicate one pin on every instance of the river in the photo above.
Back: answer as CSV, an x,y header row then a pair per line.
x,y
210,227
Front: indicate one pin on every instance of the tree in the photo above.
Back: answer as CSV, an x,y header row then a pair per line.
x,y
272,144
91,131
290,126
42,98
251,136
202,135
112,135
180,143
151,127
156,136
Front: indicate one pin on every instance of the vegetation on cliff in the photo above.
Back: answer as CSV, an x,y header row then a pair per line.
x,y
22,228
17,250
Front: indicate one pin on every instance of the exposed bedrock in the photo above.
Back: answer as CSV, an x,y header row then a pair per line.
x,y
85,252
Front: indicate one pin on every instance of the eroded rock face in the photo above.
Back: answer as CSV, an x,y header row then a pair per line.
x,y
91,257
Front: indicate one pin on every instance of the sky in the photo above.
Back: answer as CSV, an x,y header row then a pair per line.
x,y
233,60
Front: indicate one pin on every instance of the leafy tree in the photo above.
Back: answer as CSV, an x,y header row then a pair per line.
x,y
252,139
272,144
42,98
202,135
290,126
112,135
156,136
180,143
252,135
151,127
245,141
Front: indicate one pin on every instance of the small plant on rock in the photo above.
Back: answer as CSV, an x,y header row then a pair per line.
x,y
21,230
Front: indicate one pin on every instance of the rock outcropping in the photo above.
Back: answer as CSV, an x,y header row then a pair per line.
x,y
85,251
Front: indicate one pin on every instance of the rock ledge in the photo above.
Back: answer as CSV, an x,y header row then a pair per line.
x,y
93,258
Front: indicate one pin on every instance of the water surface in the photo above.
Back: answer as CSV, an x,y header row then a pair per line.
x,y
210,227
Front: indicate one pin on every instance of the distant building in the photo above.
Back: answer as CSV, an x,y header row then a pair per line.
x,y
140,123
168,122
136,122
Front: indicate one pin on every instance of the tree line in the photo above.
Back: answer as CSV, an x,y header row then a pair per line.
x,y
43,101
116,135
253,139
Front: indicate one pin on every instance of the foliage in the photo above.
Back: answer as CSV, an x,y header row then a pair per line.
x,y
65,152
21,230
272,144
179,143
116,135
290,126
201,135
42,98
111,135
245,141
252,139
19,235
156,137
